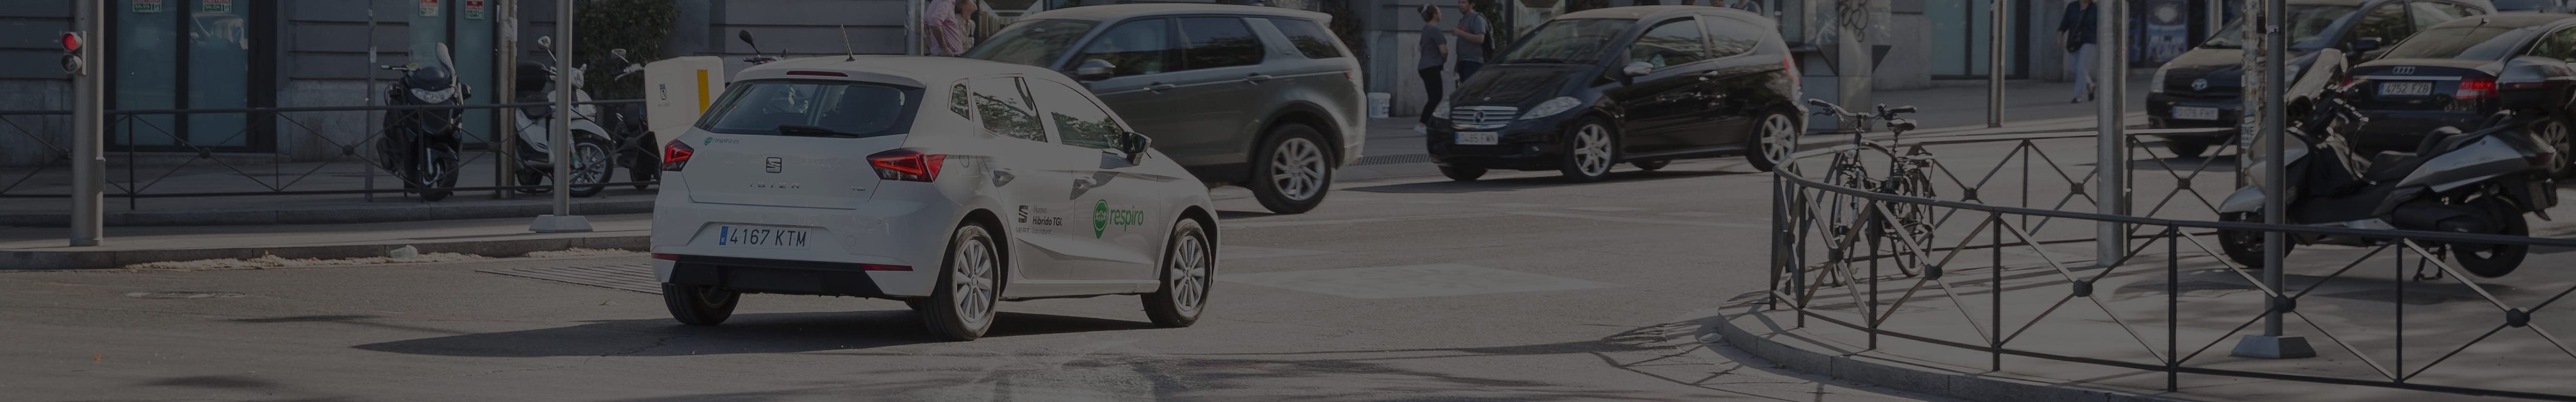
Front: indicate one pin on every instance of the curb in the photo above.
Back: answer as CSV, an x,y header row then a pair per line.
x,y
1910,377
366,214
118,259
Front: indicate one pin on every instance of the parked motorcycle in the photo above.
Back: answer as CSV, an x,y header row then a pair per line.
x,y
592,150
420,146
636,149
2461,182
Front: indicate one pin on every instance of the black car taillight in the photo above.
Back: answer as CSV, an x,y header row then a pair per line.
x,y
2475,88
675,156
907,164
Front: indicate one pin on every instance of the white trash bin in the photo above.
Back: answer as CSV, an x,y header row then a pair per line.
x,y
1380,104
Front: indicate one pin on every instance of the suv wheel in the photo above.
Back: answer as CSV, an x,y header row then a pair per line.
x,y
1589,152
1294,171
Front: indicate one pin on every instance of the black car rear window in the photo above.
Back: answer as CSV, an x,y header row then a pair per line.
x,y
2460,42
813,108
1309,37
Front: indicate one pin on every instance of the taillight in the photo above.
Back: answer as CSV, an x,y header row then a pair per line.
x,y
666,257
2475,88
1792,64
907,164
675,156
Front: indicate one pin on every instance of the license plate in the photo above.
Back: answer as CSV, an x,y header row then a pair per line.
x,y
2195,113
760,237
2405,88
1479,138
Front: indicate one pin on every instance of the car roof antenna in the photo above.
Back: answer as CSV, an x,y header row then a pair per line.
x,y
853,55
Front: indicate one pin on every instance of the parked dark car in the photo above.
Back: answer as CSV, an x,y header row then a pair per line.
x,y
1262,97
1642,85
2202,88
2459,73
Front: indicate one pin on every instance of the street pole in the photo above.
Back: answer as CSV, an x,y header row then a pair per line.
x,y
562,221
912,28
1854,79
2271,344
2112,168
1995,43
507,66
89,162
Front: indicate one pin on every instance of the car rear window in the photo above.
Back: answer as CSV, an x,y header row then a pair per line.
x,y
813,108
1309,38
2460,42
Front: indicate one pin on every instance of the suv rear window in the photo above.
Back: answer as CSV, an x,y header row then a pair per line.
x,y
1309,38
813,108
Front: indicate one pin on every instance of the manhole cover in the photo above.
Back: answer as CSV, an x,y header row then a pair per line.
x,y
183,295
627,277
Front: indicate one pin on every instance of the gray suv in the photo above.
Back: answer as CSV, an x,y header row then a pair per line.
x,y
1261,97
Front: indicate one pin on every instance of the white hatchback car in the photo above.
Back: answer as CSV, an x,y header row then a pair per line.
x,y
949,183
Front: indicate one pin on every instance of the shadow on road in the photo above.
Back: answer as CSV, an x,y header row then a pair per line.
x,y
1517,183
744,334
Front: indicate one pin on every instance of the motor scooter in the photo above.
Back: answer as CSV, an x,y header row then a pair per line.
x,y
420,146
636,148
592,154
2462,182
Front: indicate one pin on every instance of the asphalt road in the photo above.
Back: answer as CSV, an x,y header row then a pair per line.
x,y
1518,287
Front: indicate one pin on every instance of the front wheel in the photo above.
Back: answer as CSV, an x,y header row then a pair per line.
x,y
2246,246
2186,148
699,305
2494,260
439,175
1589,152
1772,143
970,285
1189,266
1294,170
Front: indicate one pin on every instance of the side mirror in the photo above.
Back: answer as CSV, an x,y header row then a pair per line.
x,y
546,43
746,38
1135,146
2365,44
1095,70
1637,69
619,53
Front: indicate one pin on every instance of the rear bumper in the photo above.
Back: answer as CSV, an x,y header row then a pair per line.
x,y
760,275
886,231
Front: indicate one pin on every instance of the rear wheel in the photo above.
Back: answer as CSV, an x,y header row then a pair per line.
x,y
970,285
1651,165
1189,266
1461,173
1589,152
1772,142
2554,131
2494,260
590,167
699,305
1294,170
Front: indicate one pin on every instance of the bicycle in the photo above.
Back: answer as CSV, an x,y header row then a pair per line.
x,y
1908,174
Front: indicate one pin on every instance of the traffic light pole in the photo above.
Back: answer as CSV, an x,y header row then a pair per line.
x,y
89,162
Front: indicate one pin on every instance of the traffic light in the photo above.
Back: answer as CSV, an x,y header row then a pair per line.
x,y
72,63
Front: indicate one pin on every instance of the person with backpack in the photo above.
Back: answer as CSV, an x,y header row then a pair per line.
x,y
2075,32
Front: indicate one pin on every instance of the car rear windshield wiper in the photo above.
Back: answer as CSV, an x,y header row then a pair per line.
x,y
815,131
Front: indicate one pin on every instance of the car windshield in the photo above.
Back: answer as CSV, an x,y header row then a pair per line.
x,y
1574,41
812,108
2308,25
1035,42
2460,42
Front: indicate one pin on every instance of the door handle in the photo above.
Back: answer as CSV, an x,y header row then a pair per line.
x,y
1160,87
1257,78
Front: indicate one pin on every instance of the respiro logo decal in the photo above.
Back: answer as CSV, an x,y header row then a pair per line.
x,y
1102,216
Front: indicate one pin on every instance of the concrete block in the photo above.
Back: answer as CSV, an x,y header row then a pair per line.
x,y
1996,389
1879,372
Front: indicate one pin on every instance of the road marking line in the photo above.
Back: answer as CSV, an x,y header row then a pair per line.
x,y
1430,202
1605,209
1693,214
1251,225
1636,220
1516,205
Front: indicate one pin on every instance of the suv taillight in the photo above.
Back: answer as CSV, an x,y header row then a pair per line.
x,y
675,155
907,164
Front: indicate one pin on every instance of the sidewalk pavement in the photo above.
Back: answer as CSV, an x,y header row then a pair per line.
x,y
496,237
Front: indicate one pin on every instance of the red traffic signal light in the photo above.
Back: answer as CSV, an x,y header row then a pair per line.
x,y
71,41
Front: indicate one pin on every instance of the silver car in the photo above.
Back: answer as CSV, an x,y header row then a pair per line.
x,y
1266,98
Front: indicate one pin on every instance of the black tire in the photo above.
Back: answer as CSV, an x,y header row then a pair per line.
x,y
2556,132
1651,164
1188,270
1591,148
2186,148
2246,246
917,305
948,317
444,180
644,162
531,178
1461,173
1292,144
699,305
2497,260
597,158
1774,137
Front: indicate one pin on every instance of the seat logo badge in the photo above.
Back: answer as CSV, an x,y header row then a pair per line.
x,y
2403,70
775,164
2200,84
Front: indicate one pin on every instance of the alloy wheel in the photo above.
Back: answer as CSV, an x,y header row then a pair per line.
x,y
973,278
2555,131
1592,150
1189,275
590,164
1297,169
1778,138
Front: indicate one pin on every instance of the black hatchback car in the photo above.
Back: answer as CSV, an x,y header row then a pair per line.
x,y
2202,88
2458,73
1641,85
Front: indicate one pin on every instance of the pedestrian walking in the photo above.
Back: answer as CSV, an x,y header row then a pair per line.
x,y
2076,33
948,27
1434,49
1471,40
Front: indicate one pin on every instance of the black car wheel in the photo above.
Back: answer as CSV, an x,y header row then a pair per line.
x,y
1589,151
1651,164
1461,173
1772,142
1293,171
2186,148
